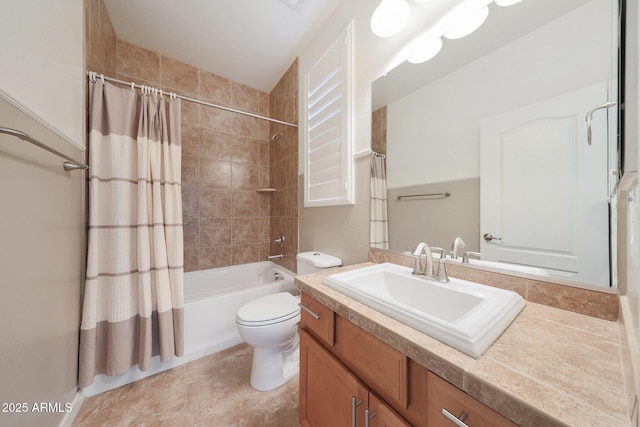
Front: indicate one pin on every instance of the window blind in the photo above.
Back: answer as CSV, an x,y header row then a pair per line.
x,y
328,151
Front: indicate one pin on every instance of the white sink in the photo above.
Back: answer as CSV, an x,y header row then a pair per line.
x,y
465,315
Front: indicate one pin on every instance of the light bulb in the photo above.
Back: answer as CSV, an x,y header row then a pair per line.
x,y
469,24
424,49
507,2
390,17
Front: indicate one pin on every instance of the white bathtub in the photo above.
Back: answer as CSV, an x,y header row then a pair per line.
x,y
211,299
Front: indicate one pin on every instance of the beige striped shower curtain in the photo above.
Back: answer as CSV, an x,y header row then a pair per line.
x,y
133,298
378,230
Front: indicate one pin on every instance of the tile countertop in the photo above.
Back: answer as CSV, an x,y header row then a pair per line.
x,y
551,367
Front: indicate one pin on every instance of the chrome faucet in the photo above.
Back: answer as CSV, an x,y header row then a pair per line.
x,y
418,269
427,270
457,244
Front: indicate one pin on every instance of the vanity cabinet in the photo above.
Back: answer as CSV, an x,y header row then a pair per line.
x,y
345,372
330,395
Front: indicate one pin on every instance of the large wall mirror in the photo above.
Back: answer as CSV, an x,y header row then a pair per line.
x,y
488,141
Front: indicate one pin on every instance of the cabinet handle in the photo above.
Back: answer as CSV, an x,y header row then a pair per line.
x,y
305,307
368,417
457,421
354,405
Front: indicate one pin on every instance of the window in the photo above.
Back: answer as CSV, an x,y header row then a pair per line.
x,y
328,171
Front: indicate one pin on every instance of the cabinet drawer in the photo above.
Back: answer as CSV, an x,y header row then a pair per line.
x,y
380,366
443,395
317,319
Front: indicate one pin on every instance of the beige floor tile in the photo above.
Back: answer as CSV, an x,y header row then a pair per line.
x,y
212,391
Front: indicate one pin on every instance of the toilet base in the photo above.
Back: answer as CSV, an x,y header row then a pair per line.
x,y
272,367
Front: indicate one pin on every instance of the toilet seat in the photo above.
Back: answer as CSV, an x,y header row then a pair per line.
x,y
268,310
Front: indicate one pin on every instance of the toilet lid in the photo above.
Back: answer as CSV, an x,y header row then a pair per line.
x,y
269,309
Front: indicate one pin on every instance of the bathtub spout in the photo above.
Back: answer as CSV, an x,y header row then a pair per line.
x,y
272,257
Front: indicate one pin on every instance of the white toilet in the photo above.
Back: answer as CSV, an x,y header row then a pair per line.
x,y
270,325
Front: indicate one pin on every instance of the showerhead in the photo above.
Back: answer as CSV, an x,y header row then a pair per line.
x,y
275,136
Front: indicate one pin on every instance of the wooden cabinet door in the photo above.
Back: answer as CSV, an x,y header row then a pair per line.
x,y
327,389
380,415
380,366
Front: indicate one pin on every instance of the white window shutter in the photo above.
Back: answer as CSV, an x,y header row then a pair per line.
x,y
328,159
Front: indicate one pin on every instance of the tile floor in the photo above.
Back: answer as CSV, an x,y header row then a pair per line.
x,y
212,391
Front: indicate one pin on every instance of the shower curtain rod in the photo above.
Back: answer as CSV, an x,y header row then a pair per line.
x,y
184,98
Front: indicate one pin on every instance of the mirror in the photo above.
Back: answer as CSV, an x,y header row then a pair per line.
x,y
497,120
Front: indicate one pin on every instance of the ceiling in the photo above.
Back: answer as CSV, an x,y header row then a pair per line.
x,y
252,42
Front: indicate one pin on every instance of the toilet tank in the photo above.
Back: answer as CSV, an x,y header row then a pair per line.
x,y
312,261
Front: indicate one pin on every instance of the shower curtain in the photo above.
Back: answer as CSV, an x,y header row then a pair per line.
x,y
133,298
378,230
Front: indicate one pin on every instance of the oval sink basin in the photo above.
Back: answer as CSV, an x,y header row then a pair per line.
x,y
465,315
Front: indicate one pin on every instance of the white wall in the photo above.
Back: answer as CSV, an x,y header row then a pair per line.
x,y
42,211
41,48
433,135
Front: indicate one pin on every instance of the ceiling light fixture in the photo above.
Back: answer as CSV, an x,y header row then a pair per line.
x,y
468,24
390,17
507,2
459,22
425,48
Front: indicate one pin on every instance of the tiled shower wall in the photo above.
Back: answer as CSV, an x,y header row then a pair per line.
x,y
226,156
284,167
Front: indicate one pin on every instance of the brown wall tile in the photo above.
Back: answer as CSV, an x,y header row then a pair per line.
x,y
178,76
138,63
284,168
214,88
100,39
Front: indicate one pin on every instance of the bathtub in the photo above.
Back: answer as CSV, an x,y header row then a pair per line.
x,y
211,299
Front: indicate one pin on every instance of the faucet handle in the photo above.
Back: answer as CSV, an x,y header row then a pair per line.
x,y
442,271
441,251
466,255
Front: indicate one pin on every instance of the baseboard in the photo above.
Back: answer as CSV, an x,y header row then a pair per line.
x,y
76,404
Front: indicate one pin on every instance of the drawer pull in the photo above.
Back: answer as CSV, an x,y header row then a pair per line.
x,y
305,307
354,405
368,417
457,421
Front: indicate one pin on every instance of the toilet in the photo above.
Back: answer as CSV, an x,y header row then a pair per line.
x,y
270,325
